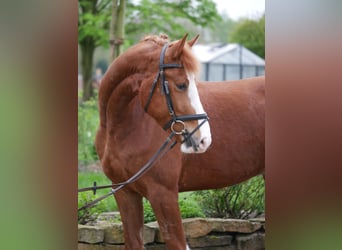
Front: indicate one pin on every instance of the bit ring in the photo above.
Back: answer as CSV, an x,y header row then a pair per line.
x,y
174,130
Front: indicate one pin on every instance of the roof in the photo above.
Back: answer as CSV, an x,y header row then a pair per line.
x,y
226,54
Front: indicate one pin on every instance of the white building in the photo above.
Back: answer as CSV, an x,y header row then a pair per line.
x,y
227,62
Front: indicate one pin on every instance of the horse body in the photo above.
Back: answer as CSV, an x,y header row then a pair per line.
x,y
128,137
237,120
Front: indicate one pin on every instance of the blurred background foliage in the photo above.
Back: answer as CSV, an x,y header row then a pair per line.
x,y
240,201
88,121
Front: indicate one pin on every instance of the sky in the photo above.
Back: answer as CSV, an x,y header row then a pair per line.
x,y
241,8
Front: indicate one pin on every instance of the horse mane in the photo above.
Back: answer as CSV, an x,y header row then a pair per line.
x,y
122,68
188,59
160,40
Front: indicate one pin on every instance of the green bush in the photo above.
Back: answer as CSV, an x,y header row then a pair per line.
x,y
89,214
188,206
148,212
88,121
239,201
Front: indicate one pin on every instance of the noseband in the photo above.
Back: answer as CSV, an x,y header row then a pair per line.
x,y
175,120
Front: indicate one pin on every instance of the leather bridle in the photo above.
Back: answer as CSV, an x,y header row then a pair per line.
x,y
166,91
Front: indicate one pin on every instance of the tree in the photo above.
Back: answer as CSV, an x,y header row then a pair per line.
x,y
93,25
221,31
143,17
171,17
117,27
251,34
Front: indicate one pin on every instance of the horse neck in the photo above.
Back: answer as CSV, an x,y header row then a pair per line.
x,y
121,108
124,67
129,127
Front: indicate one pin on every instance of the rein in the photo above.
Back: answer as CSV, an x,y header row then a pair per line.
x,y
157,155
164,147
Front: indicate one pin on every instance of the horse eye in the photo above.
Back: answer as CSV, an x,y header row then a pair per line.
x,y
181,86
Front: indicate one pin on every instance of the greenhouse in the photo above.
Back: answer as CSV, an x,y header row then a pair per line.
x,y
227,62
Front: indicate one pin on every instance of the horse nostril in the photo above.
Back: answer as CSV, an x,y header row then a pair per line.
x,y
203,141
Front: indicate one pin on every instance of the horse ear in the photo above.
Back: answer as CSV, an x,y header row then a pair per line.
x,y
177,48
193,41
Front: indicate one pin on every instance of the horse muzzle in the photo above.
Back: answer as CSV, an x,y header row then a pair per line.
x,y
194,144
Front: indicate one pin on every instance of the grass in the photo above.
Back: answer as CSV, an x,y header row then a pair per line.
x,y
86,179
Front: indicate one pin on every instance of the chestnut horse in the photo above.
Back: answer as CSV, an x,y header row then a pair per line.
x,y
231,150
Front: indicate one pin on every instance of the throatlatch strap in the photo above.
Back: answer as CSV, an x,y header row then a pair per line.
x,y
154,84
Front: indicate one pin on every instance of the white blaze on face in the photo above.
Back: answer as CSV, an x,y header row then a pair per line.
x,y
205,139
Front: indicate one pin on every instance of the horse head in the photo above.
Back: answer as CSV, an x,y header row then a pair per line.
x,y
170,95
